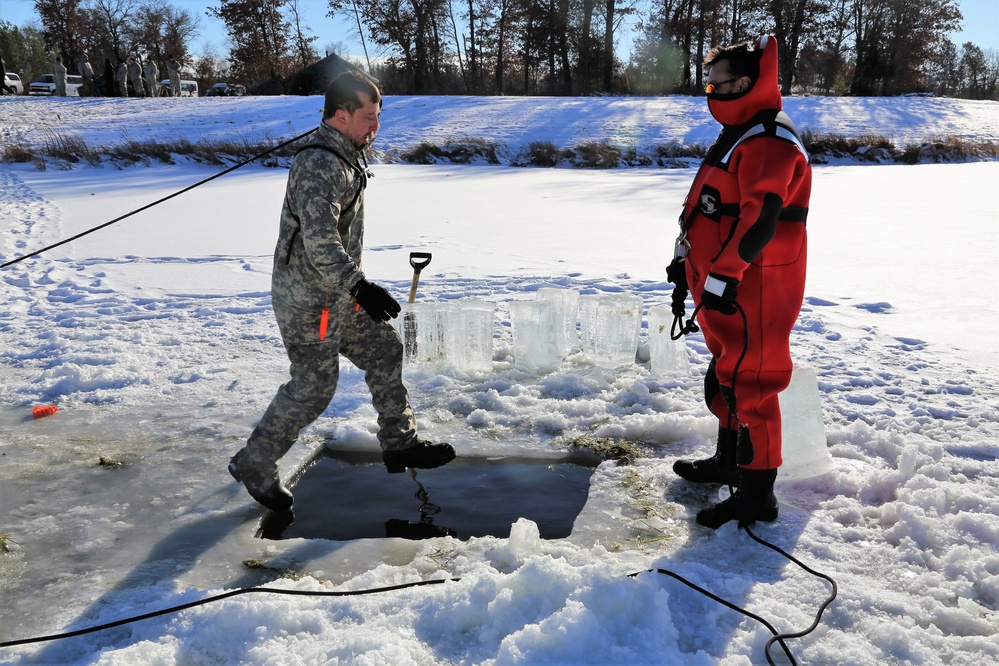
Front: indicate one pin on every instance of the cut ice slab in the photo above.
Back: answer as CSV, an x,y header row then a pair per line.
x,y
457,334
803,432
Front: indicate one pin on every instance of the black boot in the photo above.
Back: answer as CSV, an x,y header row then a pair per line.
x,y
719,468
269,492
753,500
422,455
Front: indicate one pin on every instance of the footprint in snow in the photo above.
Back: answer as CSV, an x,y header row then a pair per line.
x,y
820,302
875,308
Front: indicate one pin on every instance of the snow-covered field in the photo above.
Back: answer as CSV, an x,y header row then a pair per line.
x,y
156,340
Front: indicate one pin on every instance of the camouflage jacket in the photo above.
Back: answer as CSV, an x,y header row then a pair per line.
x,y
318,255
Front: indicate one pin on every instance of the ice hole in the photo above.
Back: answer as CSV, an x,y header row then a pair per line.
x,y
347,495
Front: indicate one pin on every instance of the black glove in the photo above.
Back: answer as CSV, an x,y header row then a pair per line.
x,y
676,273
375,300
719,294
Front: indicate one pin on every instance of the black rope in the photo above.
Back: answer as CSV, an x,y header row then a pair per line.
x,y
220,597
680,329
158,201
723,602
818,615
777,637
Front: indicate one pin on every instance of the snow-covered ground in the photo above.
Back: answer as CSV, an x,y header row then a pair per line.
x,y
156,340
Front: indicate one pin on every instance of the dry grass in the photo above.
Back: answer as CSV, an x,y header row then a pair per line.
x,y
539,154
949,149
593,155
466,150
66,151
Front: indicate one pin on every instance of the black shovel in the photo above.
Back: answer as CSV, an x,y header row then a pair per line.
x,y
419,261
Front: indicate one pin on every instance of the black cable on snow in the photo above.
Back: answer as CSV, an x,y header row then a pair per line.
x,y
158,201
777,637
220,597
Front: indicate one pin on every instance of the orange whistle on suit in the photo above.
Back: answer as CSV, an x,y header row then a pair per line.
x,y
324,321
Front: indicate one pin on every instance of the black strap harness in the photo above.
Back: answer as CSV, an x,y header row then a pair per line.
x,y
356,168
769,123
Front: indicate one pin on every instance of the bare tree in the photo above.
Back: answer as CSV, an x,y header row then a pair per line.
x,y
303,53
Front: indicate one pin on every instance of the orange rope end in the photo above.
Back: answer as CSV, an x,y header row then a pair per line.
x,y
44,410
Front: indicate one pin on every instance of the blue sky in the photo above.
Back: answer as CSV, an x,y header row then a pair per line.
x,y
981,23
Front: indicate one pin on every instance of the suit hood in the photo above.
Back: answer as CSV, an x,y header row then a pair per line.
x,y
762,94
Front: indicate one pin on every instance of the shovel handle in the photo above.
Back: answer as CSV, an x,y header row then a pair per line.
x,y
419,261
412,289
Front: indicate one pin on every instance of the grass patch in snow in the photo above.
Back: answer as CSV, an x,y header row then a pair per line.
x,y
824,148
466,150
107,462
607,448
259,565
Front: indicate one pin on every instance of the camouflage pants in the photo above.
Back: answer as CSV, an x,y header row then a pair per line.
x,y
374,347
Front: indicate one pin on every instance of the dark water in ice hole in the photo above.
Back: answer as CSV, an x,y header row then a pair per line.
x,y
349,495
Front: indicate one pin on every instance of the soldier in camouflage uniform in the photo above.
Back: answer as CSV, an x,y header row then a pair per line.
x,y
318,293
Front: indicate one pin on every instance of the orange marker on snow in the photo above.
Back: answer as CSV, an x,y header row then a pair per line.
x,y
44,410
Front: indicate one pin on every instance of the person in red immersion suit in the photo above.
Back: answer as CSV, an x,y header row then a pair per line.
x,y
741,253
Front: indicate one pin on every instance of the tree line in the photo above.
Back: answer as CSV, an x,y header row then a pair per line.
x,y
543,47
568,47
98,30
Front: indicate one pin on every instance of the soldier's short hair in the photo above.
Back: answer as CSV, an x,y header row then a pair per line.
x,y
345,93
743,60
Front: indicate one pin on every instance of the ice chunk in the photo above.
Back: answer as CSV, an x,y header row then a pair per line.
x,y
618,327
471,342
588,324
667,357
425,329
803,433
534,343
565,302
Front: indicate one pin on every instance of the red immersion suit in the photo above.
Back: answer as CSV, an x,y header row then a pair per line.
x,y
744,219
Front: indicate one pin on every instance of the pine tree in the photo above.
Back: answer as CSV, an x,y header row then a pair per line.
x,y
260,37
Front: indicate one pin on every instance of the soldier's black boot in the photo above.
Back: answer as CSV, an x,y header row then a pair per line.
x,y
752,500
423,455
719,468
269,492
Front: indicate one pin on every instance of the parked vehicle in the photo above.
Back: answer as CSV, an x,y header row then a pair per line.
x,y
45,85
13,81
187,88
226,90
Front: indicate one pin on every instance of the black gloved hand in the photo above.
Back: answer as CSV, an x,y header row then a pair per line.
x,y
719,293
375,300
676,273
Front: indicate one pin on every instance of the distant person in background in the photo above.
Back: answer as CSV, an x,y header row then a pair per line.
x,y
173,72
135,77
3,77
87,72
108,78
59,71
325,306
151,73
741,253
121,78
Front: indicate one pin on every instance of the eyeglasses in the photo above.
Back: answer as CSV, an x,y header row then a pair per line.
x,y
711,87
